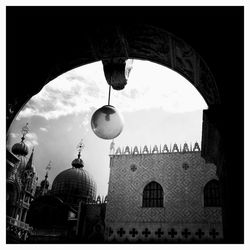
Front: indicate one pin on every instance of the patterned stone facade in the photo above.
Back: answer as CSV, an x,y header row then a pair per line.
x,y
182,174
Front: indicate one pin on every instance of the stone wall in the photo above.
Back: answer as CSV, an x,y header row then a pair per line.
x,y
182,176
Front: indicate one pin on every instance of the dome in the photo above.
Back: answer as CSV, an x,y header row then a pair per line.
x,y
20,149
73,185
77,163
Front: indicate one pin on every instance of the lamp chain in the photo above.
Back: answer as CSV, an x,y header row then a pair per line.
x,y
109,94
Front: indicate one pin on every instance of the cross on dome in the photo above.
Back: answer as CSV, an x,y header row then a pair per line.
x,y
49,166
25,130
80,147
78,162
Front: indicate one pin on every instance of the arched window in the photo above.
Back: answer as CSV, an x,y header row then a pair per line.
x,y
152,195
212,194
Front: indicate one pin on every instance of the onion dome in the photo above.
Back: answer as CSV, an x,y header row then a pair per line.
x,y
74,184
21,148
77,163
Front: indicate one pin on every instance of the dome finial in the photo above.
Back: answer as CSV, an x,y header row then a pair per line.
x,y
48,167
45,182
80,147
25,130
21,148
78,162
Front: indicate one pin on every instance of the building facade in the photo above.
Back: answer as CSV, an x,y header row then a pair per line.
x,y
21,187
162,194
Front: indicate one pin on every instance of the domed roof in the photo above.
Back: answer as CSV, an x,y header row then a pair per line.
x,y
20,149
74,184
77,163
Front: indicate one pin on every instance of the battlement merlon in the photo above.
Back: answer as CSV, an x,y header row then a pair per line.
x,y
156,150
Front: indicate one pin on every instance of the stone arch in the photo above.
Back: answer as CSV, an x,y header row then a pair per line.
x,y
121,42
36,45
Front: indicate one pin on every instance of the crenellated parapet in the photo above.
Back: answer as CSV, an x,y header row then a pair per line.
x,y
157,149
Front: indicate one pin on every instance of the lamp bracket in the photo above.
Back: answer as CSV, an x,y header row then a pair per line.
x,y
115,72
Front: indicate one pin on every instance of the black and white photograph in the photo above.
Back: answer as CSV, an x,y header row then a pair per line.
x,y
124,125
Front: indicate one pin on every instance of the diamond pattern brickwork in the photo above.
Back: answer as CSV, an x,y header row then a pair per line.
x,y
183,209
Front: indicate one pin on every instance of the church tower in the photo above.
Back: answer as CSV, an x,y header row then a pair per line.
x,y
162,194
29,182
21,188
45,185
43,189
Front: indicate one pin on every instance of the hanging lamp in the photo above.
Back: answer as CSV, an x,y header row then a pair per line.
x,y
106,122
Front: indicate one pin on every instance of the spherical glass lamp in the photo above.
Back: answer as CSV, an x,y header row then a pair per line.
x,y
106,122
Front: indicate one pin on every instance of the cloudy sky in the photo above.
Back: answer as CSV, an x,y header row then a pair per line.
x,y
158,106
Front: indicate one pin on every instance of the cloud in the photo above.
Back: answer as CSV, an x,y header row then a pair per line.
x,y
44,129
86,120
84,89
132,94
75,78
62,97
11,139
31,139
13,135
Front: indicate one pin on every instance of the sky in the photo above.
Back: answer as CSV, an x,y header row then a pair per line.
x,y
158,105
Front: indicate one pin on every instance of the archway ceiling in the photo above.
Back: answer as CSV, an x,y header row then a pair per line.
x,y
43,43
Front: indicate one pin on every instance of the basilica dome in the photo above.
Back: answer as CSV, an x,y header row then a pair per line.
x,y
74,184
20,149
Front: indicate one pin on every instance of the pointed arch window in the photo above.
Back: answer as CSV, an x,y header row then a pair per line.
x,y
212,194
152,195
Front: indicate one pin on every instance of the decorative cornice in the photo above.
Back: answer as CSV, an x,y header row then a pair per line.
x,y
157,150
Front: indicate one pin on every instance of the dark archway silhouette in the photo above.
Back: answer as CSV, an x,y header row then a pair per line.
x,y
43,43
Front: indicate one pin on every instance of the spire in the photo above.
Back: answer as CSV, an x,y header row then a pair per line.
x,y
45,183
48,166
80,147
25,130
29,163
78,162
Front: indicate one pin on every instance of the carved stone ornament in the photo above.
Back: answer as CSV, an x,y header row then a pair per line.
x,y
115,73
